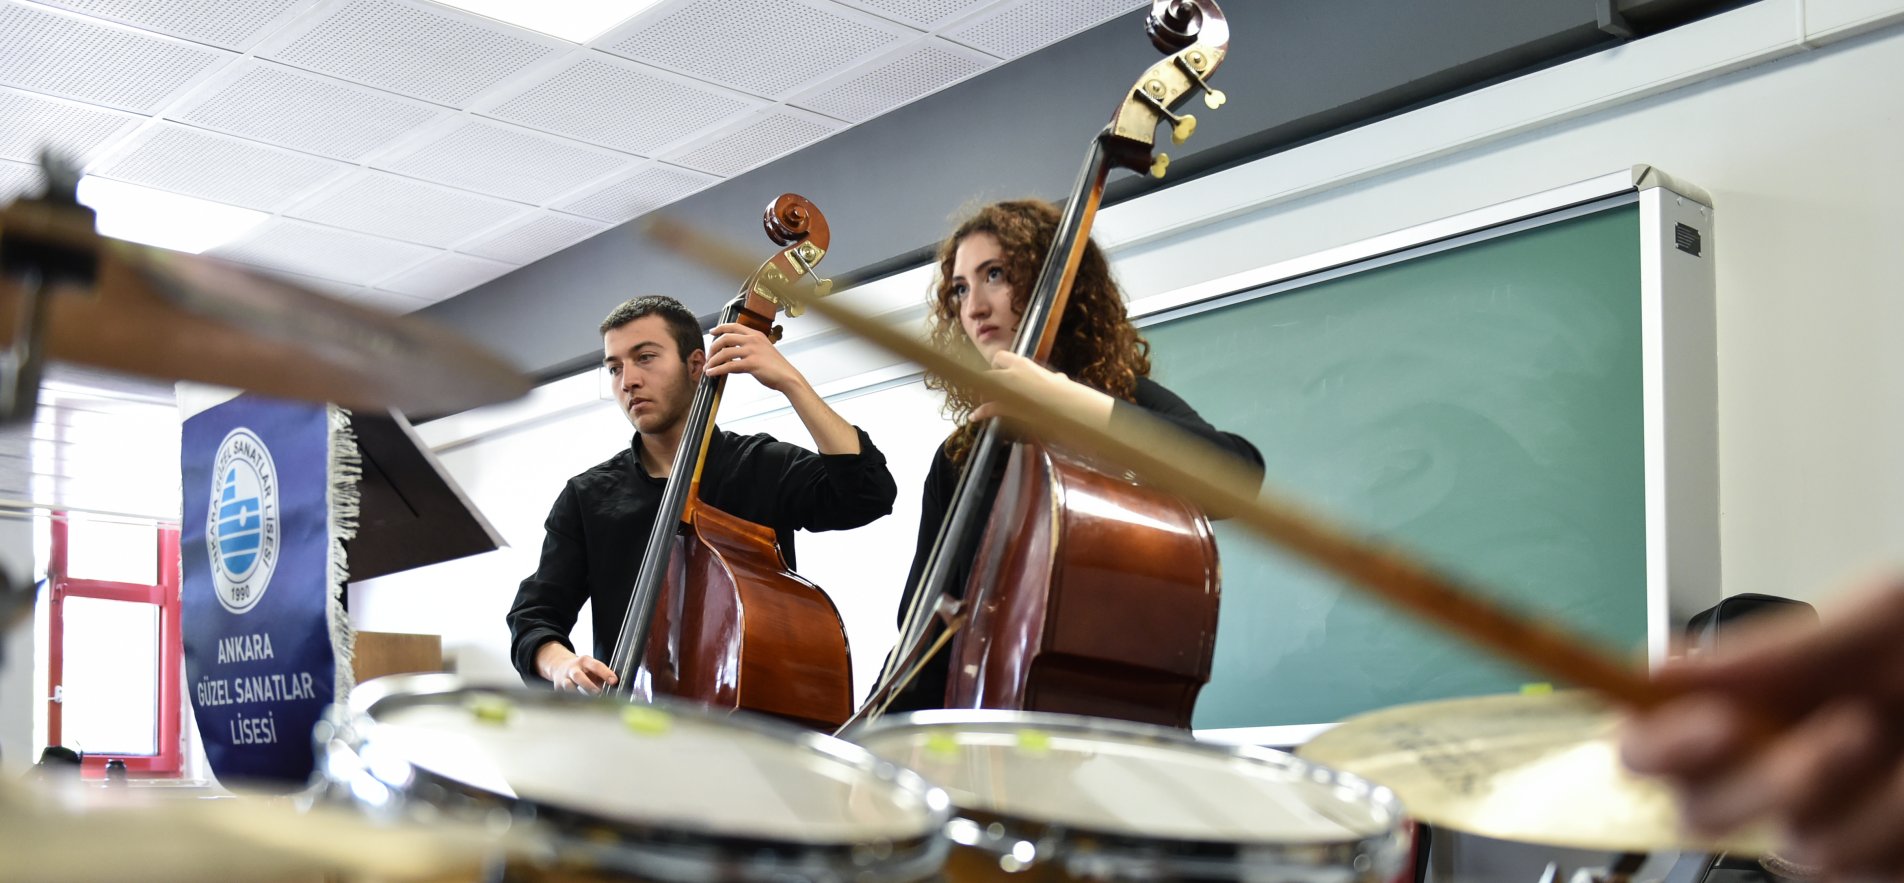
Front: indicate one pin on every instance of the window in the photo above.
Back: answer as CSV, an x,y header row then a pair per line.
x,y
115,653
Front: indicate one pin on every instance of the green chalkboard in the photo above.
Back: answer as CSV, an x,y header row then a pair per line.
x,y
1479,405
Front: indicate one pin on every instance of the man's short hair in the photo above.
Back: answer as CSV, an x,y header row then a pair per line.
x,y
682,325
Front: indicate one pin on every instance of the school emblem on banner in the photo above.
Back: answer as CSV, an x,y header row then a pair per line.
x,y
270,496
241,530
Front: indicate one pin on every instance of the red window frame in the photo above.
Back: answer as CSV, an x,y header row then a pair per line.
x,y
165,595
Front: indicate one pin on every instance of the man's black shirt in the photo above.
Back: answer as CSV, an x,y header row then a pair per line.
x,y
596,532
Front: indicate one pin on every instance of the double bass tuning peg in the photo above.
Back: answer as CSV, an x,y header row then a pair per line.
x,y
1195,64
1183,128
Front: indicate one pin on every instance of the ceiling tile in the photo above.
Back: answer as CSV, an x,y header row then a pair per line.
x,y
391,301
604,100
326,252
400,208
762,47
1021,28
902,78
538,237
89,60
286,106
18,179
772,134
414,49
444,276
922,14
640,193
232,24
30,123
318,284
505,161
217,167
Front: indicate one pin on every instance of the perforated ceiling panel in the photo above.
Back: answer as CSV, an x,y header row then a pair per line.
x,y
218,168
390,301
29,123
326,252
617,104
78,58
283,105
233,24
393,130
902,79
924,14
534,239
1021,28
643,192
387,205
506,161
18,179
415,50
444,275
326,287
763,47
777,133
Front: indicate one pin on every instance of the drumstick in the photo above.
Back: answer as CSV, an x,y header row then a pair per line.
x,y
1182,464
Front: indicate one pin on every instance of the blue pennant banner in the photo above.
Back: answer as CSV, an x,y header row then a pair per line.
x,y
269,494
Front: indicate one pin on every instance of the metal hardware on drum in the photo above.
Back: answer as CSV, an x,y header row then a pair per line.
x,y
608,790
1060,797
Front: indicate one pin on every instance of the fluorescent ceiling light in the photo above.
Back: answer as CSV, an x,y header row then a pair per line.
x,y
577,21
167,220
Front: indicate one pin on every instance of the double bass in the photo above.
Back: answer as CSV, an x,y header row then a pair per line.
x,y
1089,592
716,616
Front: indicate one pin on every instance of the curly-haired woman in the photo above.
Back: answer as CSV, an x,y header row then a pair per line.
x,y
987,269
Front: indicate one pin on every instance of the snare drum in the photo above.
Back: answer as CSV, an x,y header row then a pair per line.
x,y
1057,797
667,792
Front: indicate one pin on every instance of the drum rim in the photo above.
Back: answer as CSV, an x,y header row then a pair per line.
x,y
672,849
1115,845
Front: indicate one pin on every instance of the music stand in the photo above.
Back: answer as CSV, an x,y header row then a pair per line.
x,y
411,513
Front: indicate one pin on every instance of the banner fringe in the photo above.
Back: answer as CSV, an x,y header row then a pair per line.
x,y
343,499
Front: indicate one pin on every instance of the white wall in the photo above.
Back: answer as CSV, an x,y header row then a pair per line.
x,y
513,476
1790,123
1801,157
19,689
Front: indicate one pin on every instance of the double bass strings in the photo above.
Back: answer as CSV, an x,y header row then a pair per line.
x,y
1182,464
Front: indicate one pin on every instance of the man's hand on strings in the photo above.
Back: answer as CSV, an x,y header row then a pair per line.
x,y
1833,781
568,671
739,349
1057,391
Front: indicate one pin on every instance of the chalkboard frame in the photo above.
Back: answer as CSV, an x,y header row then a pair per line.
x,y
1679,369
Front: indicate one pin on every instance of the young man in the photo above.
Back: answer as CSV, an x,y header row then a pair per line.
x,y
597,531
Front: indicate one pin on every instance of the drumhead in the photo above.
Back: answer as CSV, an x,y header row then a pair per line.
x,y
667,773
1136,782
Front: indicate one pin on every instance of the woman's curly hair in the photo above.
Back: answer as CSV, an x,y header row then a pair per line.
x,y
1096,345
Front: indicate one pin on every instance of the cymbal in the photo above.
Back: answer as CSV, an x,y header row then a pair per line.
x,y
181,317
1539,769
227,838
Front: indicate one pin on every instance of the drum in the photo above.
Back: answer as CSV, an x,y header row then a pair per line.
x,y
610,790
1058,798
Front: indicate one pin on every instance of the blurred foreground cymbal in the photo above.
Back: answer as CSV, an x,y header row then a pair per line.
x,y
1537,769
232,838
181,317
